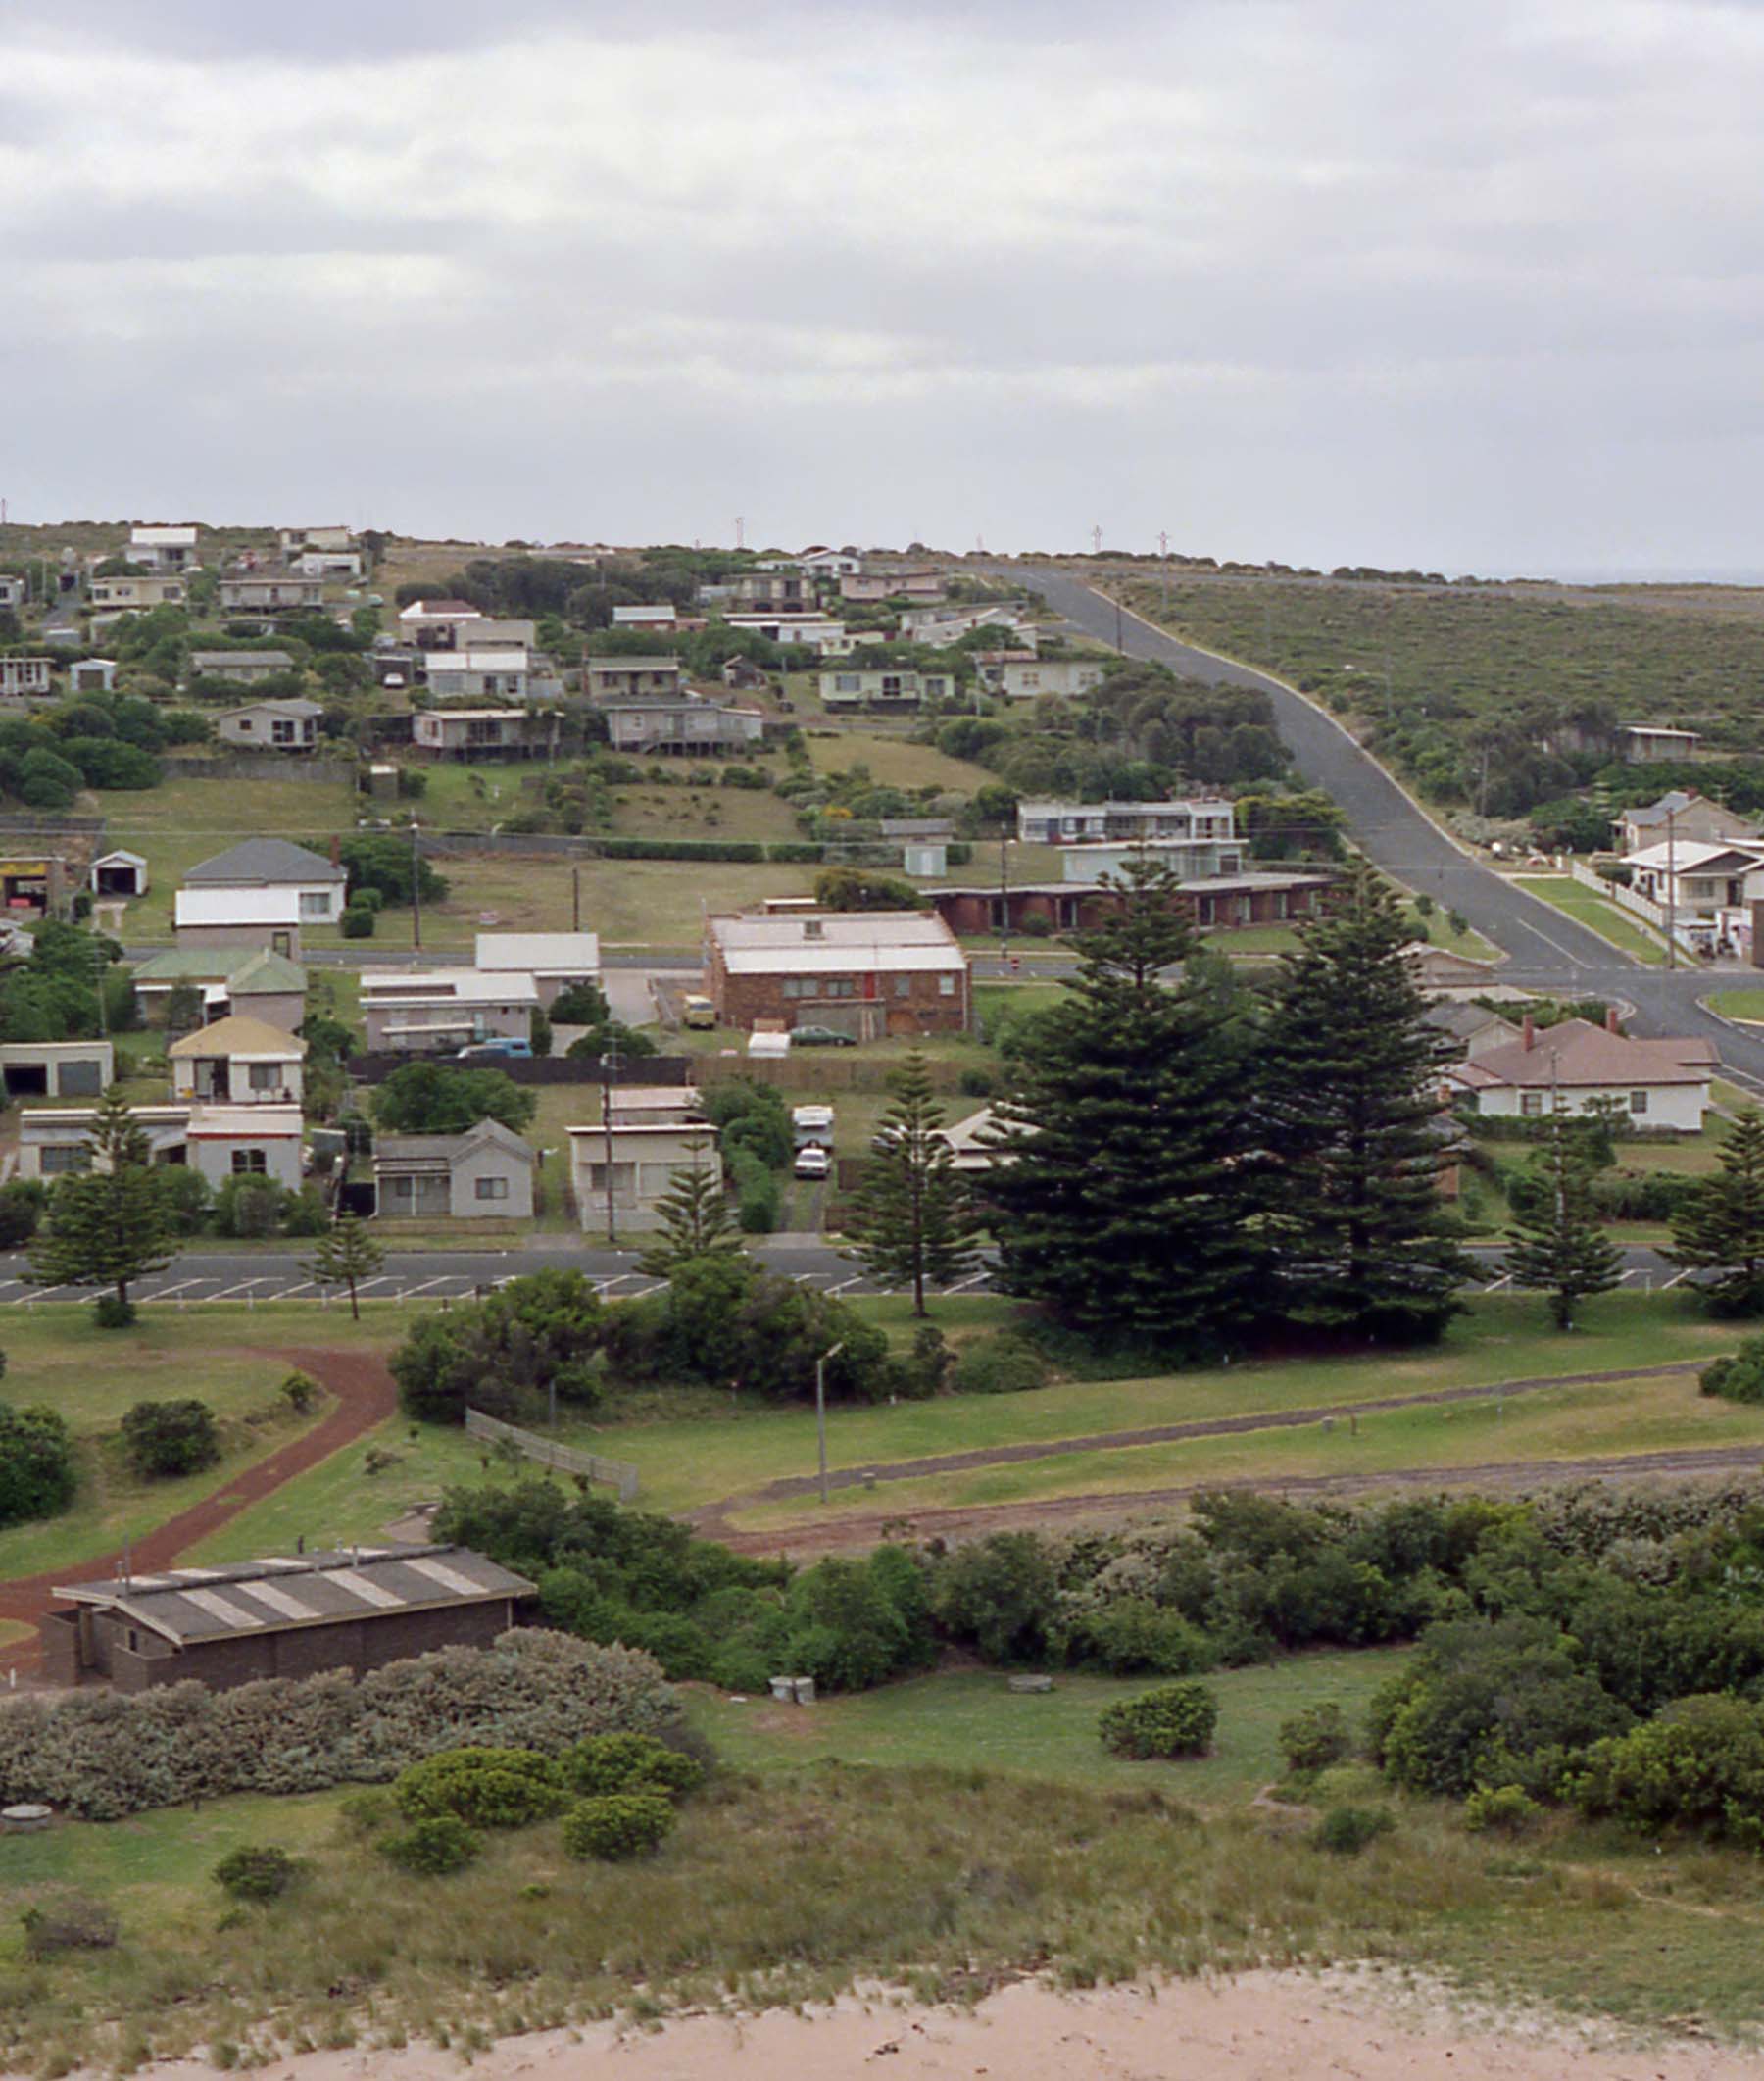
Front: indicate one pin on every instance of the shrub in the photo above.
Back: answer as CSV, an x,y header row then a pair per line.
x,y
1348,1830
1739,1378
1135,1637
486,1788
432,1848
617,1825
1697,1764
1503,1810
261,1873
1316,1738
300,1391
998,1365
21,1208
998,1595
68,1922
37,1463
113,1313
358,922
607,1764
1176,1720
169,1438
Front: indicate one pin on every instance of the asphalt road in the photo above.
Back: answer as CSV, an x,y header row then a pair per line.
x,y
1545,949
198,1277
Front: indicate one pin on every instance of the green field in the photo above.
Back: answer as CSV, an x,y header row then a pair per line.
x,y
1737,1003
1575,900
896,762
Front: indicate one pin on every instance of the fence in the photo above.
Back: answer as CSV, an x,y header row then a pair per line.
x,y
264,765
615,1473
802,1069
1626,899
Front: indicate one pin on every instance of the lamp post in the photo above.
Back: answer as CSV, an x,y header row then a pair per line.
x,y
820,1410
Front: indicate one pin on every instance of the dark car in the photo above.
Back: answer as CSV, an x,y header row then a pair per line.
x,y
821,1037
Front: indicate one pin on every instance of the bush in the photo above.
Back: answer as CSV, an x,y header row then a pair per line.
x,y
256,1874
432,1848
1698,1764
300,1391
607,1764
1135,1637
164,1439
617,1825
1348,1830
20,1209
1739,1378
113,1313
1316,1738
1503,1810
358,922
68,1922
37,1463
998,1365
486,1788
1176,1721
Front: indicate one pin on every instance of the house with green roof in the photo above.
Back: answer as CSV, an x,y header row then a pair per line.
x,y
249,982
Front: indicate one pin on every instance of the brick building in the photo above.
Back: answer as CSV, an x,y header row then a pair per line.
x,y
870,973
293,1617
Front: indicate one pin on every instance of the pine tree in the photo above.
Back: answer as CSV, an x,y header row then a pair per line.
x,y
1719,1224
1561,1250
1118,1199
914,1223
107,1225
346,1256
1347,1093
694,1214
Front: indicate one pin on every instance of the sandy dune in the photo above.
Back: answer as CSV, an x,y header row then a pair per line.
x,y
1258,2027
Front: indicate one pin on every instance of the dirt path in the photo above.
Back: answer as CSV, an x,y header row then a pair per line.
x,y
1106,1507
714,1514
365,1398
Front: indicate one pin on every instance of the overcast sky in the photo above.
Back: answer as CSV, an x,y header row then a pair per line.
x,y
1476,288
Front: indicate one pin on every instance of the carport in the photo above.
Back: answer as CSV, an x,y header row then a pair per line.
x,y
119,875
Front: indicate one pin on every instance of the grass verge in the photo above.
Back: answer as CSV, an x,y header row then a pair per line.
x,y
1575,900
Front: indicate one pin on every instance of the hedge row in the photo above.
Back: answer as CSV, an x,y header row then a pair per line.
x,y
100,1756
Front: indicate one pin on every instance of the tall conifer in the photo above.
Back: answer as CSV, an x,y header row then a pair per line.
x,y
1561,1250
1120,1200
915,1223
111,1226
1719,1224
1348,1090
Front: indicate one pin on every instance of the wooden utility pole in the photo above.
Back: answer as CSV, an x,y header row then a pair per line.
x,y
415,894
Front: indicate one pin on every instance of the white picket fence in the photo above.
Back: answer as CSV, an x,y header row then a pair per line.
x,y
1626,899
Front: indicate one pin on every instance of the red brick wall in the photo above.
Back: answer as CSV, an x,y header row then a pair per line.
x,y
743,1000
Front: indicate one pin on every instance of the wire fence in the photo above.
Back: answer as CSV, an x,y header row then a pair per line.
x,y
615,1473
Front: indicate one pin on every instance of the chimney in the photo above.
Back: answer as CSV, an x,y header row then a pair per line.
x,y
336,850
1611,1025
1528,1033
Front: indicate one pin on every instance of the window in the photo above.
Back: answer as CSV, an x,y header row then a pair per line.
x,y
246,723
902,985
248,1164
492,1188
265,1077
1531,1104
134,1640
282,732
315,903
57,1160
946,986
846,683
1637,1101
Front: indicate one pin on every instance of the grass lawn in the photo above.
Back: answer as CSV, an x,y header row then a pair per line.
x,y
967,1720
1252,942
1575,900
1438,930
1741,1003
1554,1423
1503,1337
895,762
185,821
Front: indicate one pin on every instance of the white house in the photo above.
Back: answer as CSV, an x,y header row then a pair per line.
x,y
483,1174
1042,823
884,686
644,1160
246,1141
240,1061
1029,678
555,961
474,675
244,667
317,883
56,1068
162,548
1189,858
1697,879
270,592
684,723
239,918
272,727
24,678
440,1010
135,594
1575,1065
659,614
482,732
435,624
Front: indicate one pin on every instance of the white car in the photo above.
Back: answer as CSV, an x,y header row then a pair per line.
x,y
812,1162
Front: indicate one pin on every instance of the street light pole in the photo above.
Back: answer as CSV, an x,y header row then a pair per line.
x,y
416,892
820,1410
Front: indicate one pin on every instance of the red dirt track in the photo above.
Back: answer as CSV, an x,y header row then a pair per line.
x,y
365,1397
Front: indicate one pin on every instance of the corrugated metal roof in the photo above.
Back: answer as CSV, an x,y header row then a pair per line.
x,y
190,1605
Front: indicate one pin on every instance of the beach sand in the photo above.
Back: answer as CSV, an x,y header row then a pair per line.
x,y
1256,2028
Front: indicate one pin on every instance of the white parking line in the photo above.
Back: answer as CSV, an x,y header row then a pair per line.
x,y
1678,1280
426,1284
1630,1274
961,1285
243,1286
856,1280
165,1293
1494,1285
379,1279
289,1292
653,1287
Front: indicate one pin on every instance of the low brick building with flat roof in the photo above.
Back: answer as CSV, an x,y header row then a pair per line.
x,y
289,1617
870,973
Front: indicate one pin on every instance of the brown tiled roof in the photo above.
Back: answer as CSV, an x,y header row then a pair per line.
x,y
1577,1051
